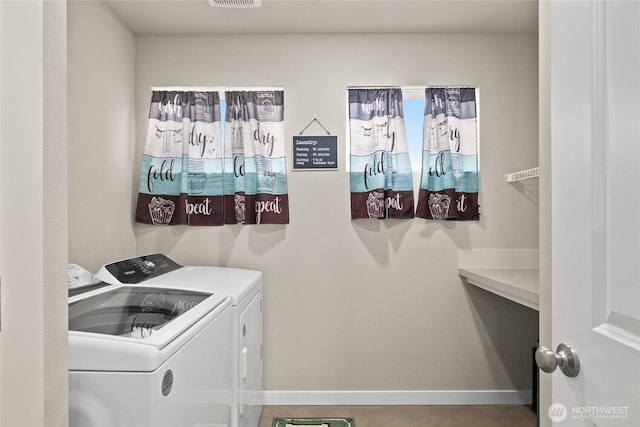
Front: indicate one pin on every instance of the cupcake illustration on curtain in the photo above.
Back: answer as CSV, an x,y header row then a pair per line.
x,y
161,210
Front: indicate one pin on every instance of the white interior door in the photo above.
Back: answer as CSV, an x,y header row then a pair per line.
x,y
595,115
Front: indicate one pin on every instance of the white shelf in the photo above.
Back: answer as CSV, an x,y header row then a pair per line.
x,y
520,285
510,273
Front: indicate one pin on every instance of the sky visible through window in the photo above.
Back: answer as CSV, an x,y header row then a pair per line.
x,y
413,110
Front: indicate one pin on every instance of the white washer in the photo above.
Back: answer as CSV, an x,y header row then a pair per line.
x,y
244,288
148,357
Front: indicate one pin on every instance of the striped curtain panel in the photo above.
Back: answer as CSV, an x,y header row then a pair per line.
x,y
255,174
449,182
181,177
380,174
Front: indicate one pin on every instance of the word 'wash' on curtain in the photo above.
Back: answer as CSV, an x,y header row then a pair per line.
x,y
449,183
380,174
181,177
255,174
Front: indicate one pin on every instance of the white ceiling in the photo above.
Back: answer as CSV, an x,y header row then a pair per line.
x,y
170,17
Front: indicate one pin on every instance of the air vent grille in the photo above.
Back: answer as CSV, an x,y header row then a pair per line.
x,y
235,3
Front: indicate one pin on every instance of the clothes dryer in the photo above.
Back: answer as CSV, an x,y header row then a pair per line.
x,y
244,287
144,356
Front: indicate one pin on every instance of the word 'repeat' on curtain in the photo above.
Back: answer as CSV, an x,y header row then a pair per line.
x,y
380,171
255,177
181,177
449,183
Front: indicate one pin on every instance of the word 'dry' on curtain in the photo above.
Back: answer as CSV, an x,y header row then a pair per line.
x,y
255,175
449,183
380,170
181,177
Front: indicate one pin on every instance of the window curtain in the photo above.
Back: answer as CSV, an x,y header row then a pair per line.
x,y
380,174
255,179
181,176
449,182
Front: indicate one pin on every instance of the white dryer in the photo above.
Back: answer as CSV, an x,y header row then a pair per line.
x,y
144,356
244,287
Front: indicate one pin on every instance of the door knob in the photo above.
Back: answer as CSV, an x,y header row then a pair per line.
x,y
565,357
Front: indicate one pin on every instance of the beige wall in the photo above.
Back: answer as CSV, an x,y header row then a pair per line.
x,y
349,305
101,124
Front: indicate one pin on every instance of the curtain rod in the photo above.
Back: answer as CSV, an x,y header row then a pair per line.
x,y
411,87
214,88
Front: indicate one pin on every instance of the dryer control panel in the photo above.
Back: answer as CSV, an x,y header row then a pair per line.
x,y
136,270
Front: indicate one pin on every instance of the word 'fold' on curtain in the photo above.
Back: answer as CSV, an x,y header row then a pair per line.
x,y
449,182
380,171
181,177
255,174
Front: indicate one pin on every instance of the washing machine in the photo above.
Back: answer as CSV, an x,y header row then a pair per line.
x,y
149,356
244,288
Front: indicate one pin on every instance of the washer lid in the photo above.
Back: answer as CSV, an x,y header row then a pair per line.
x,y
133,328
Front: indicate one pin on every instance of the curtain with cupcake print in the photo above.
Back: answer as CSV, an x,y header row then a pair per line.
x,y
380,170
449,182
181,177
255,178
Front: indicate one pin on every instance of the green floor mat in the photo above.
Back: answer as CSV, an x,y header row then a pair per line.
x,y
313,422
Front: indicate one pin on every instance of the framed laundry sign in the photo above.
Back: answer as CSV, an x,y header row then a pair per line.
x,y
315,152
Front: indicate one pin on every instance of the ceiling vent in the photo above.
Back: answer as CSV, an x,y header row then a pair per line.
x,y
235,3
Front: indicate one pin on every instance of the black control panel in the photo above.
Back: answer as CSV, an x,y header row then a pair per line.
x,y
136,270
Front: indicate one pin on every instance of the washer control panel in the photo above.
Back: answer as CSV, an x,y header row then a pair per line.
x,y
139,269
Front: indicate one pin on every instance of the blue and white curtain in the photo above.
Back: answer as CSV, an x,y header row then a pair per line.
x,y
380,171
181,177
255,178
449,183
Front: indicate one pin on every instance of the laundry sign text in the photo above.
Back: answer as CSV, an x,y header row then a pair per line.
x,y
315,152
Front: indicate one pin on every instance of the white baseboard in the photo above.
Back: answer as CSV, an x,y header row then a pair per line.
x,y
437,397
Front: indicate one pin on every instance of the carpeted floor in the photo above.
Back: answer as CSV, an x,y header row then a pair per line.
x,y
411,416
